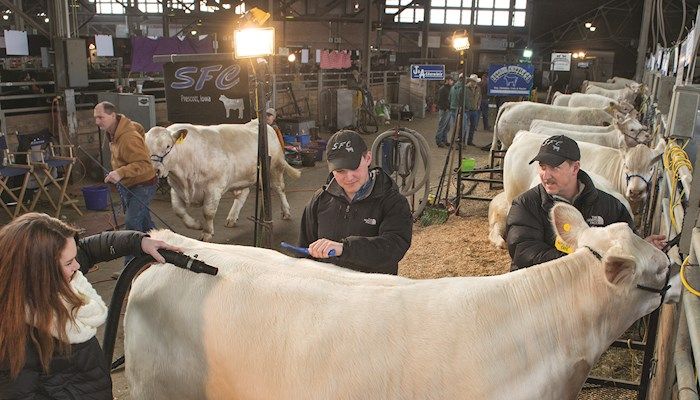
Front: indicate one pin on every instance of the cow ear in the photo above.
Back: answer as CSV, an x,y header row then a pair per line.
x,y
568,223
179,136
618,267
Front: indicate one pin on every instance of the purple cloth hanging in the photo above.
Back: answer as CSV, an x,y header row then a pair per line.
x,y
143,50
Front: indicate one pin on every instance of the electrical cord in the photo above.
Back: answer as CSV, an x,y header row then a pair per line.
x,y
674,158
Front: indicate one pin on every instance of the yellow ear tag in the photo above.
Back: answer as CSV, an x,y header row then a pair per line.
x,y
180,140
563,247
567,227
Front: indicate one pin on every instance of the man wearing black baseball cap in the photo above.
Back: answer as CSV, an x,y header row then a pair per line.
x,y
359,213
529,234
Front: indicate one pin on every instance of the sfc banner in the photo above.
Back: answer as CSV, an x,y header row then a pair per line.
x,y
510,79
207,93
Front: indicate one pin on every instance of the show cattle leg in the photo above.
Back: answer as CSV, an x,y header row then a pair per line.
x,y
209,207
239,198
180,209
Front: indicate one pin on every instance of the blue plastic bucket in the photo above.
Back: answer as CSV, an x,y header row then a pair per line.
x,y
96,197
289,138
304,139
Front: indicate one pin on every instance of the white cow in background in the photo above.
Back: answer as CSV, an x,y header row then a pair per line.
x,y
515,116
560,99
628,94
625,133
273,327
621,171
204,162
571,127
597,101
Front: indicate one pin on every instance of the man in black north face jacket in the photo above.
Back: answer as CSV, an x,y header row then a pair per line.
x,y
359,213
529,234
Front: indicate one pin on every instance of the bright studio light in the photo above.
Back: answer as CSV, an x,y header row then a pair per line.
x,y
460,43
254,42
292,57
527,53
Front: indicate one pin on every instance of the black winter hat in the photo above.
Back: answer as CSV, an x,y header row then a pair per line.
x,y
557,149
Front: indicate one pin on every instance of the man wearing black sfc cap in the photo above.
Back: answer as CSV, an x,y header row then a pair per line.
x,y
359,212
531,239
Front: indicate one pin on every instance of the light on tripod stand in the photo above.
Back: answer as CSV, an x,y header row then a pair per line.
x,y
460,42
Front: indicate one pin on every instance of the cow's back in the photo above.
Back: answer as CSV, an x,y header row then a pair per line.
x,y
519,116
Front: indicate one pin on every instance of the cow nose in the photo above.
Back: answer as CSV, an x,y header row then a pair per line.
x,y
637,194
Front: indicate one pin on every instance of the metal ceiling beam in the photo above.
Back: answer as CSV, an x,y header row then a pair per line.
x,y
26,17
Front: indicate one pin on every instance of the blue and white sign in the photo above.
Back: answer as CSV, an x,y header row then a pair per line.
x,y
510,79
428,72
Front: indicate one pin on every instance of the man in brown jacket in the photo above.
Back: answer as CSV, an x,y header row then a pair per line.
x,y
132,170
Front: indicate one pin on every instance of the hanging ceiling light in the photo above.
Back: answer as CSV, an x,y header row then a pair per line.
x,y
593,28
588,25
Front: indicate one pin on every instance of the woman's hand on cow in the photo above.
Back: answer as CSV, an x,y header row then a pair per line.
x,y
659,241
321,248
151,246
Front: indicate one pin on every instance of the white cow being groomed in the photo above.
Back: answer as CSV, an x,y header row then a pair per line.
x,y
515,116
573,127
273,327
204,162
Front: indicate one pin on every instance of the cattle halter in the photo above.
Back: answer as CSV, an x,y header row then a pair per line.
x,y
661,291
159,159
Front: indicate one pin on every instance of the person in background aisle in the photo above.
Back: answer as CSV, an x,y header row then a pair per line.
x,y
472,103
270,117
484,109
444,119
359,213
132,170
49,312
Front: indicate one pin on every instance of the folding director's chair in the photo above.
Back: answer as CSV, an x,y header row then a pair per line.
x,y
47,161
9,170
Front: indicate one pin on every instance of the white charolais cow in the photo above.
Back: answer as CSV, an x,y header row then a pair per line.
x,y
619,172
273,327
627,132
571,127
515,116
560,99
628,93
204,162
597,101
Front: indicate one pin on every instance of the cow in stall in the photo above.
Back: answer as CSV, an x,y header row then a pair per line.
x,y
560,99
270,326
516,116
628,93
615,82
597,101
571,127
626,171
204,162
625,133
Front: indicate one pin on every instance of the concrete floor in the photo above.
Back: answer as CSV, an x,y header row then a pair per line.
x,y
298,192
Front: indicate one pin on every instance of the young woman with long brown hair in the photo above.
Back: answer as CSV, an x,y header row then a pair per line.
x,y
49,312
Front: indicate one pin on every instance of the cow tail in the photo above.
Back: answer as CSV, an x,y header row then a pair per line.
x,y
291,171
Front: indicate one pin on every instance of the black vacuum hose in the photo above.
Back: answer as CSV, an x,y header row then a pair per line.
x,y
124,283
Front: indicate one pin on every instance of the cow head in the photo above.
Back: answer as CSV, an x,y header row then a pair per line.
x,y
622,106
161,143
632,130
638,168
625,261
